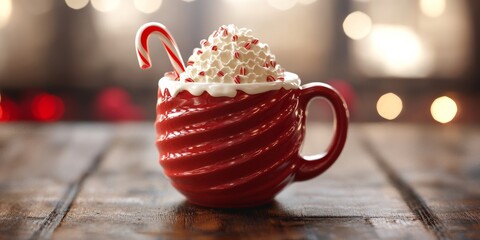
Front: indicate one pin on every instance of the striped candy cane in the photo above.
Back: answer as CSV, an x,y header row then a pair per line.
x,y
168,42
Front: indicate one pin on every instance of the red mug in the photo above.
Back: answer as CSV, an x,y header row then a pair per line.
x,y
241,151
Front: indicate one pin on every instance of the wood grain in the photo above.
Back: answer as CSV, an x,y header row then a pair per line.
x,y
437,168
40,168
128,197
91,181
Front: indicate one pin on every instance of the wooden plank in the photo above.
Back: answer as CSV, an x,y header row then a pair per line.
x,y
437,170
40,173
128,197
7,131
11,138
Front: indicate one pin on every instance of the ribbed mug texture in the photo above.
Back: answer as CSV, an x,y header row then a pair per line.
x,y
230,152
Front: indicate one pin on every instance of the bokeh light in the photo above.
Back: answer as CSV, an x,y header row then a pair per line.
x,y
147,6
443,109
399,51
433,8
389,106
9,110
346,91
105,5
306,2
47,107
282,4
5,11
115,104
357,25
76,4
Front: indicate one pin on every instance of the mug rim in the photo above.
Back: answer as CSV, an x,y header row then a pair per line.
x,y
292,81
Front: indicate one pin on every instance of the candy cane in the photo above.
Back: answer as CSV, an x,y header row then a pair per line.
x,y
168,42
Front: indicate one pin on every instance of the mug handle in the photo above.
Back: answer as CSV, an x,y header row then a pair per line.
x,y
313,166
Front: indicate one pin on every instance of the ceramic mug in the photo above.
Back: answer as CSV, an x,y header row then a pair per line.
x,y
241,151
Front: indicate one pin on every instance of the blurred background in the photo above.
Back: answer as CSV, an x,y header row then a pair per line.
x,y
405,61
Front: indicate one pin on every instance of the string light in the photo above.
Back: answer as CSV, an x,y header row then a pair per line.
x,y
47,107
443,109
76,4
147,6
306,2
9,110
5,11
105,5
1,108
282,4
433,8
389,106
357,25
398,51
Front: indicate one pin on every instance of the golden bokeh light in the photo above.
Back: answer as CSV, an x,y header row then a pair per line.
x,y
105,5
433,8
147,6
398,51
443,109
389,106
76,4
306,2
357,25
5,11
282,4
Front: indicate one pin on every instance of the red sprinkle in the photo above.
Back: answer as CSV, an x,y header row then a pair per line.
x,y
237,55
225,32
220,74
214,48
234,38
199,52
215,34
243,71
202,73
247,45
255,41
204,43
270,78
236,79
266,65
189,80
190,63
273,63
281,79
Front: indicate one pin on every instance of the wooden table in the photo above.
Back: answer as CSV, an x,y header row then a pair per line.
x,y
91,181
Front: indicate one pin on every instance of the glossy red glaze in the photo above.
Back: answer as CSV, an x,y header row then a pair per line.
x,y
240,151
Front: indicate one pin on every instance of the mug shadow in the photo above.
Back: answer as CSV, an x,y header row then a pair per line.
x,y
187,220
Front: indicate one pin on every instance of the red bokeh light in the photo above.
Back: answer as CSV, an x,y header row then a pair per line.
x,y
347,92
47,107
9,111
115,104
